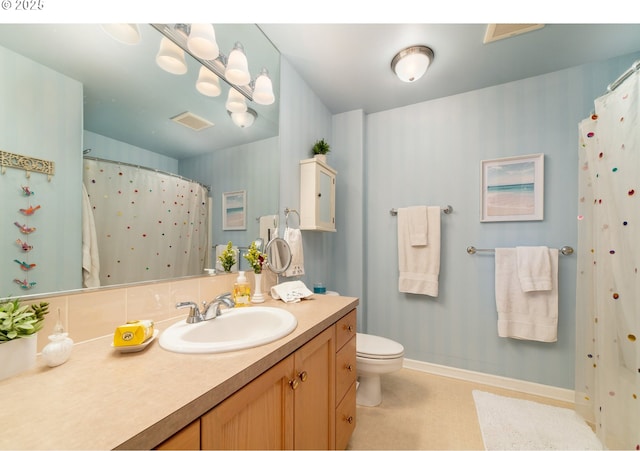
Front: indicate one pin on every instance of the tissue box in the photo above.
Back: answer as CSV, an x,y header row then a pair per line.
x,y
133,333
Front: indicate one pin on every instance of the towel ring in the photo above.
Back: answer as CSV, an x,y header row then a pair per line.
x,y
286,215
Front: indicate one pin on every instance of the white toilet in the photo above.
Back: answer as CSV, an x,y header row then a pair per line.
x,y
375,356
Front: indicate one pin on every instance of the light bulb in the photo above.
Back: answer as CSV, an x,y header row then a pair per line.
x,y
202,41
208,83
236,102
237,70
170,57
263,91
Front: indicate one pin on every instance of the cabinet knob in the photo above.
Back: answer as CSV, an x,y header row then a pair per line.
x,y
348,367
319,194
349,419
349,327
303,376
294,384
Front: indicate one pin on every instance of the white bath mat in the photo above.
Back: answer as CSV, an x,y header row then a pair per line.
x,y
517,424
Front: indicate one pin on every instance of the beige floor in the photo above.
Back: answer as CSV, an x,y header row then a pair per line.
x,y
424,411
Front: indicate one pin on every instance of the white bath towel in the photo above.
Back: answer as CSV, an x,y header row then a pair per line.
x,y
419,266
90,255
524,315
417,220
534,268
294,238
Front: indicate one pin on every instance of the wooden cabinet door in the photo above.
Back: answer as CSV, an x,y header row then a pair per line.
x,y
314,420
259,416
187,438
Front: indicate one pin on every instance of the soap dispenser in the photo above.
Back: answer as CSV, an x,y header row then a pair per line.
x,y
241,291
58,350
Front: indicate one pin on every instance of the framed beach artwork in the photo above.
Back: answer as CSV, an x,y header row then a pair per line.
x,y
512,189
234,210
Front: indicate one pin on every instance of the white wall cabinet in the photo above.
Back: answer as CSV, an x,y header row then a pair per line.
x,y
317,196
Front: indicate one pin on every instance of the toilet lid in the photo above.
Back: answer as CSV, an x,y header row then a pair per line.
x,y
374,347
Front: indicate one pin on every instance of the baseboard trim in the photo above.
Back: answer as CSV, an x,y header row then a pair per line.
x,y
532,388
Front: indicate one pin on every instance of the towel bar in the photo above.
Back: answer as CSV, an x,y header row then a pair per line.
x,y
288,210
446,210
564,250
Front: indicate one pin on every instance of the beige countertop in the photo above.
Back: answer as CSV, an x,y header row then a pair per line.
x,y
104,399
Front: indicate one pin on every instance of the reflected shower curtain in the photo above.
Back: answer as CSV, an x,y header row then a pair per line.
x,y
149,225
608,283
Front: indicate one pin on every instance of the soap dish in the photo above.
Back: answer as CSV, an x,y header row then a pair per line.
x,y
136,348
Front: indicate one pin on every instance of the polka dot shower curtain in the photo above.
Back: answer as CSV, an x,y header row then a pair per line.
x,y
149,225
608,285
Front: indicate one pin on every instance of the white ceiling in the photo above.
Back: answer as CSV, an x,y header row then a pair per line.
x,y
348,65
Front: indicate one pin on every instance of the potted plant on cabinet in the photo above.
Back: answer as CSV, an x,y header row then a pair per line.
x,y
228,257
19,324
320,150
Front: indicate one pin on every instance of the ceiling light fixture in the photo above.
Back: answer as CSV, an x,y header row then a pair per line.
x,y
202,41
244,119
170,57
263,89
411,63
208,83
237,70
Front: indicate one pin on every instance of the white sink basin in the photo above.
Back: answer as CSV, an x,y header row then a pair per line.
x,y
234,329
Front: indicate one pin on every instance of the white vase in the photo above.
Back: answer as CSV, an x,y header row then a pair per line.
x,y
321,157
258,297
58,350
18,355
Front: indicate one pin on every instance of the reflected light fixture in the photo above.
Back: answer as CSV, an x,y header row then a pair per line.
x,y
243,119
411,63
202,41
236,102
208,83
127,33
263,90
170,57
237,70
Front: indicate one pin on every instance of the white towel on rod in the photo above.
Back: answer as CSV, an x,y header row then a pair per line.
x,y
524,315
418,225
419,266
90,255
294,238
534,268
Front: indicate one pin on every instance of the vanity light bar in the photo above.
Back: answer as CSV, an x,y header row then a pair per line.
x,y
216,66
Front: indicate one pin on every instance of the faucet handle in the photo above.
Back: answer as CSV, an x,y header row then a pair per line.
x,y
194,312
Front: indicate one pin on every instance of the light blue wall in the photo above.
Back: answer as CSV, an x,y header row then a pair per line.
x,y
430,153
40,117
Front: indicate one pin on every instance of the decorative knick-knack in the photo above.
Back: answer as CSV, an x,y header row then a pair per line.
x,y
60,346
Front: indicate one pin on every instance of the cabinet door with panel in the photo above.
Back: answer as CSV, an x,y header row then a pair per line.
x,y
317,196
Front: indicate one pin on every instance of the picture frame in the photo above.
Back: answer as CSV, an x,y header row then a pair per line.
x,y
512,188
234,210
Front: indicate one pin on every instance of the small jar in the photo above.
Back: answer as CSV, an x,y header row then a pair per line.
x,y
319,288
58,350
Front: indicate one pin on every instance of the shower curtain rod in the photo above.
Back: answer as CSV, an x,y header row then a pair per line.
x,y
618,81
104,160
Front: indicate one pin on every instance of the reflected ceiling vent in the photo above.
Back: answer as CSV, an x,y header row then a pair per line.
x,y
497,31
192,121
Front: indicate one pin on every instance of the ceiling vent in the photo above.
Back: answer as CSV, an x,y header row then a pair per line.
x,y
497,31
192,121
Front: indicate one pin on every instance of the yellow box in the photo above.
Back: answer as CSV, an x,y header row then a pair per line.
x,y
133,333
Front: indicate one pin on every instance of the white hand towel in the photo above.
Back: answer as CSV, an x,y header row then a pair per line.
x,y
294,238
525,315
90,256
291,292
419,266
418,225
534,268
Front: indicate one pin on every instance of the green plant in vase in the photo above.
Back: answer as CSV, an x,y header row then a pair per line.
x,y
321,147
19,320
228,257
255,258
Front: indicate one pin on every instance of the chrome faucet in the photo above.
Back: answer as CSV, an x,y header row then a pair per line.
x,y
209,311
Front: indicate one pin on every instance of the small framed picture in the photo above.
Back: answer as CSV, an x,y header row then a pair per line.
x,y
512,189
234,210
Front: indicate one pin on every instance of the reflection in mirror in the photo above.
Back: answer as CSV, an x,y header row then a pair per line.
x,y
278,255
126,105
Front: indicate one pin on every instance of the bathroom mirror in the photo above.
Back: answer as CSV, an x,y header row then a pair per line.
x,y
278,255
123,86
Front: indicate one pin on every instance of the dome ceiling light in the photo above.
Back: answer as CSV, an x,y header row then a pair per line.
x,y
411,63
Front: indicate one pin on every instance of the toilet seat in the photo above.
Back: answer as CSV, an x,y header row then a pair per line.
x,y
377,348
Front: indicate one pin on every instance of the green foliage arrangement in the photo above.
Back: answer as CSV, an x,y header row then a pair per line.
x,y
255,258
18,320
321,147
228,257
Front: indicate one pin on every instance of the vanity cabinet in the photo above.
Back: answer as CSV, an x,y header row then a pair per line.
x,y
187,439
345,379
317,196
291,406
